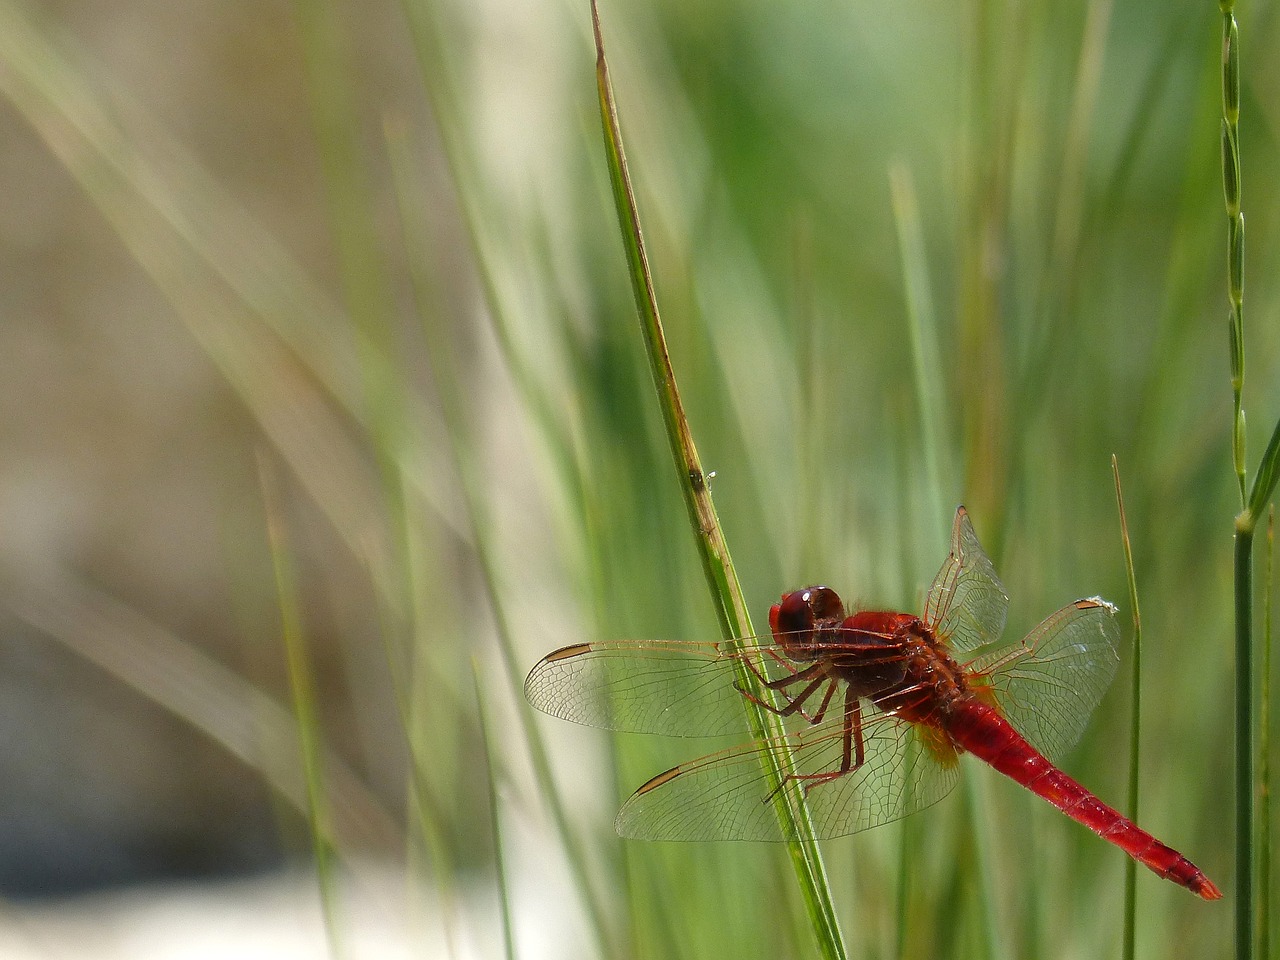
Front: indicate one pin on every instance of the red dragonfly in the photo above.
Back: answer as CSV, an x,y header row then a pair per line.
x,y
878,707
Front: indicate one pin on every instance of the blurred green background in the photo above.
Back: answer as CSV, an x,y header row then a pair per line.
x,y
351,272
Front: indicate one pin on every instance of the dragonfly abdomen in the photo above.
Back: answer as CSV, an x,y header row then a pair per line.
x,y
981,730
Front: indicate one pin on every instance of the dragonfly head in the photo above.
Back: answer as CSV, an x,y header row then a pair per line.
x,y
799,614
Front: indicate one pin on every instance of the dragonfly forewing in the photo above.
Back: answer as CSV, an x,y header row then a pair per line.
x,y
674,689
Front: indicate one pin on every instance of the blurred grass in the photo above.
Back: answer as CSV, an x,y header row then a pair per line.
x,y
302,689
1063,232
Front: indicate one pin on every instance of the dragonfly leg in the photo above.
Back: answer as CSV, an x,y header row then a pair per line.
x,y
822,707
783,682
793,675
854,753
796,704
816,717
853,731
782,662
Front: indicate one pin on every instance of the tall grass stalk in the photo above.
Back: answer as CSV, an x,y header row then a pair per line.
x,y
1253,501
1246,784
1244,913
722,579
1264,748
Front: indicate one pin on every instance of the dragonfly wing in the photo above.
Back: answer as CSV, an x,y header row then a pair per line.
x,y
1050,683
725,796
967,603
675,689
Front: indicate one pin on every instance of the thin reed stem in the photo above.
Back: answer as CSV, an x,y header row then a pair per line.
x,y
302,689
1235,228
1244,914
1135,722
1244,714
1264,750
722,578
495,818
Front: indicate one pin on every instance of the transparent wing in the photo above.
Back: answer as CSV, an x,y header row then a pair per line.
x,y
725,796
673,688
967,603
1049,684
676,689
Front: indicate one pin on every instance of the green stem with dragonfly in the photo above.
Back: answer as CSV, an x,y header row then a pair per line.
x,y
722,579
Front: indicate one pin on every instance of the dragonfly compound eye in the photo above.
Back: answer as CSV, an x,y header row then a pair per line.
x,y
802,610
825,603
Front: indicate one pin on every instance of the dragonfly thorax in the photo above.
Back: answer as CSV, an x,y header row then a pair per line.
x,y
919,681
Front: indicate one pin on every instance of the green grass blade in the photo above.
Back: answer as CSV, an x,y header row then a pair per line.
x,y
1135,721
302,689
1264,749
1244,902
717,565
1264,484
495,818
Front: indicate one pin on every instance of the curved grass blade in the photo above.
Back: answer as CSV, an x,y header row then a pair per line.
x,y
1264,484
722,579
